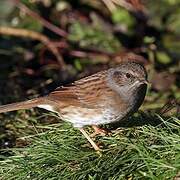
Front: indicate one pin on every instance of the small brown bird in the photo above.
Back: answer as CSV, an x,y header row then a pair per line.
x,y
102,98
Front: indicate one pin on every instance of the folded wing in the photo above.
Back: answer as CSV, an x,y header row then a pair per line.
x,y
86,92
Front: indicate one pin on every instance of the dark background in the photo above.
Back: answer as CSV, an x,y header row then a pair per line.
x,y
94,36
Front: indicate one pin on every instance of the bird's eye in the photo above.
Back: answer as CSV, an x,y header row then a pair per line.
x,y
128,75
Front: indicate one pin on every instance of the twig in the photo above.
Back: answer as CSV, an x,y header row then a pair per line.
x,y
169,106
124,4
43,21
34,35
110,5
132,5
103,56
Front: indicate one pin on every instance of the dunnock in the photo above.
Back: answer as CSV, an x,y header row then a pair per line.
x,y
105,97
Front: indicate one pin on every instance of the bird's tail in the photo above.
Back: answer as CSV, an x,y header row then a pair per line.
x,y
22,105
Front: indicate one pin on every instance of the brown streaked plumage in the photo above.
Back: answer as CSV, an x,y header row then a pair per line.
x,y
102,98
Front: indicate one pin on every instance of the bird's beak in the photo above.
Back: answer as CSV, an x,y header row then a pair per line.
x,y
144,82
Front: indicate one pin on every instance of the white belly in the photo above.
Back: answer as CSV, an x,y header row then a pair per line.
x,y
80,117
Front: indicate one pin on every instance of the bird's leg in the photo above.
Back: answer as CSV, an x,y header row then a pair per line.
x,y
98,130
94,145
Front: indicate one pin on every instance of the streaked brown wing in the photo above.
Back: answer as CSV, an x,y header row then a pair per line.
x,y
86,92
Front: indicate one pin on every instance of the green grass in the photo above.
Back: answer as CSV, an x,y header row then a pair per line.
x,y
61,152
148,147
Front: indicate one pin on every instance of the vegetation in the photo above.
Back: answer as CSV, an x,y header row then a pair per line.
x,y
44,44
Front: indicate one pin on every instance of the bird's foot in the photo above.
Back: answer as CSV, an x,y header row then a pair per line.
x,y
94,145
98,131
